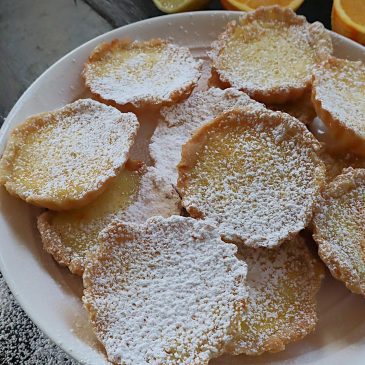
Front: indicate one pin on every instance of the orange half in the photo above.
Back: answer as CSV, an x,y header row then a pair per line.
x,y
348,19
248,5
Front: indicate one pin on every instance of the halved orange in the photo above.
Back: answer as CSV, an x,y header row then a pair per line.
x,y
348,19
248,5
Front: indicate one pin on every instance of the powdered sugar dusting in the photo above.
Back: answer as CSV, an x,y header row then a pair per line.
x,y
281,305
143,73
72,236
256,174
336,163
166,292
156,197
269,51
339,228
180,121
59,157
339,86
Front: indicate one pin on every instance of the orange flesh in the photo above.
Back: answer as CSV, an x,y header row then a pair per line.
x,y
355,9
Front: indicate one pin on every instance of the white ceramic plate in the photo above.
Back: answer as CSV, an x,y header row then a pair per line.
x,y
51,295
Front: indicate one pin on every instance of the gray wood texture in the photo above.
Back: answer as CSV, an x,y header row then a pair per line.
x,y
36,33
119,13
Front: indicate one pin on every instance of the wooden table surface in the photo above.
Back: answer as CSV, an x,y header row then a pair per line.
x,y
33,35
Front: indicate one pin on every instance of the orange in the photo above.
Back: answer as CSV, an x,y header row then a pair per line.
x,y
247,5
348,19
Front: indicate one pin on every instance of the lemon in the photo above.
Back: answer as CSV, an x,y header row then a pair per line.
x,y
176,6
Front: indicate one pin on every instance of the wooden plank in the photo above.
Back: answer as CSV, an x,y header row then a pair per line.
x,y
119,13
34,34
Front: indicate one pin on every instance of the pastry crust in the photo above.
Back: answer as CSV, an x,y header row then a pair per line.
x,y
135,195
338,228
281,305
179,122
302,108
336,163
141,74
64,159
255,173
270,54
166,292
338,95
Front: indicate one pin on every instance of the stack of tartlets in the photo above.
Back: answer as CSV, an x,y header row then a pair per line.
x,y
201,252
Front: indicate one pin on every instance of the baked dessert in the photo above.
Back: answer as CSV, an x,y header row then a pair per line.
x,y
135,195
338,228
255,173
302,108
179,122
165,292
281,305
336,163
332,143
338,97
141,74
170,290
270,54
65,158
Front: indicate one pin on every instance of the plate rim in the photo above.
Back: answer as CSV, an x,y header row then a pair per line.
x,y
7,125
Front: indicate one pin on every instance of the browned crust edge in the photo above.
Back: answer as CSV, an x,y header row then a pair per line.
x,y
342,184
279,341
15,140
303,326
319,39
245,116
350,140
122,232
301,109
143,104
93,270
52,242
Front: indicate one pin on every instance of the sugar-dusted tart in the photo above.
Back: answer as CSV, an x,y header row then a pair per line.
x,y
139,74
65,158
255,173
281,305
339,228
302,108
179,122
270,53
135,195
338,95
336,163
165,292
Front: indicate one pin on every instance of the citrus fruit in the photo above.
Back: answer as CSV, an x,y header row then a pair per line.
x,y
247,5
348,19
176,6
